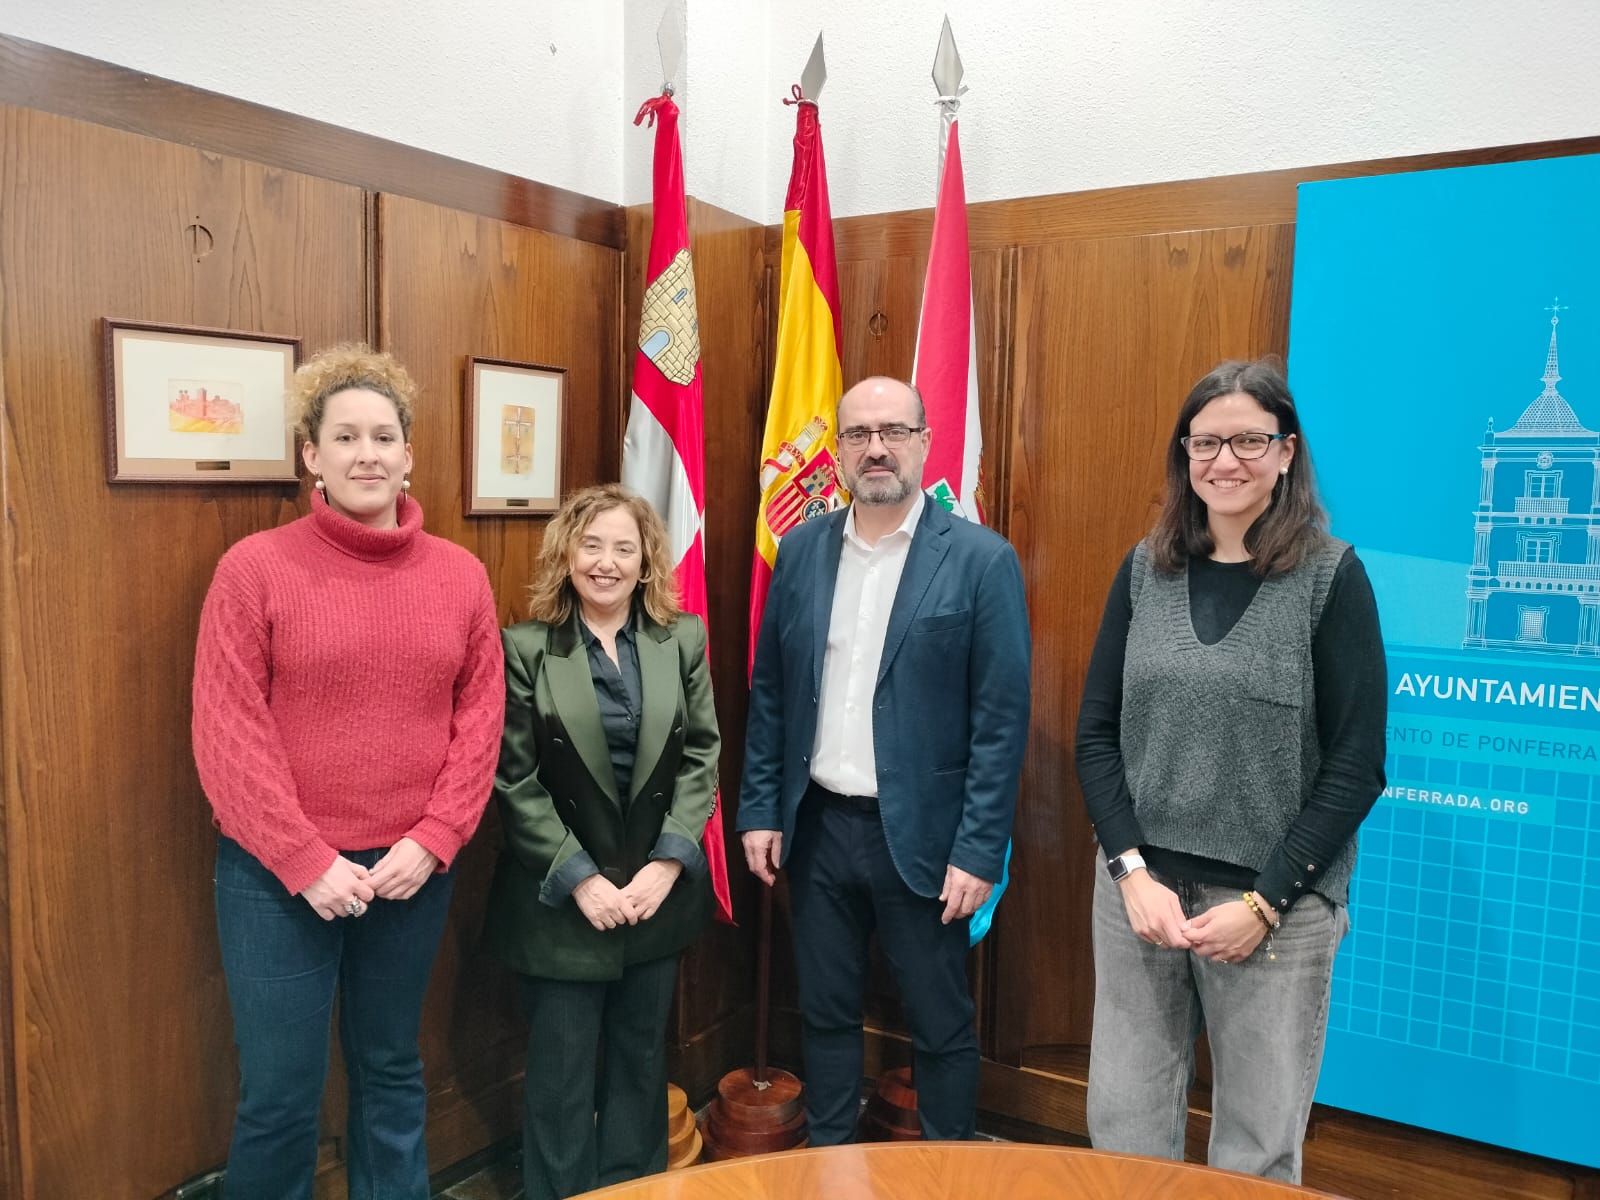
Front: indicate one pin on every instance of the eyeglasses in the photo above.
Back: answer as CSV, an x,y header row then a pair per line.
x,y
892,436
1206,446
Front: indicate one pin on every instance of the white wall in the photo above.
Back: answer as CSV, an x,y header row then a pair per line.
x,y
1065,94
721,91
1074,94
534,89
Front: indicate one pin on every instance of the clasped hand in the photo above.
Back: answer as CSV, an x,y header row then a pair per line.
x,y
399,873
1228,933
332,892
606,906
395,876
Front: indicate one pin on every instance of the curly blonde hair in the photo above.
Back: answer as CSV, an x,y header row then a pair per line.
x,y
551,596
340,368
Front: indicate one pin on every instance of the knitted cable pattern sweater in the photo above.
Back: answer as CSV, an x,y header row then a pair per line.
x,y
349,690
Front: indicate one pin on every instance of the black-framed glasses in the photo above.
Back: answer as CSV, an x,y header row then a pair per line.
x,y
892,436
1247,445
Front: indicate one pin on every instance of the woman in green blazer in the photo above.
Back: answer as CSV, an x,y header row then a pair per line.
x,y
607,775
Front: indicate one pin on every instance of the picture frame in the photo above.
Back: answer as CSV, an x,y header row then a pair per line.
x,y
514,438
186,404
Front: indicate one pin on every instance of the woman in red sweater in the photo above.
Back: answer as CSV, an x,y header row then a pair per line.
x,y
348,701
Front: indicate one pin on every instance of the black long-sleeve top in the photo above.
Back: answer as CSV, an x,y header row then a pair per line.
x,y
619,692
1352,702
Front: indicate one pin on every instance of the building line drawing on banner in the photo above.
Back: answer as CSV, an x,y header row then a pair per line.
x,y
1534,586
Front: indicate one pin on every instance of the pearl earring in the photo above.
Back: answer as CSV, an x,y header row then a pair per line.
x,y
319,485
406,484
1283,470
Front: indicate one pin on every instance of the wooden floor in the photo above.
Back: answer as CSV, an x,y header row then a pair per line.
x,y
496,1176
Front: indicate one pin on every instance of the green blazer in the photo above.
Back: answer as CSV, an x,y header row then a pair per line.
x,y
557,795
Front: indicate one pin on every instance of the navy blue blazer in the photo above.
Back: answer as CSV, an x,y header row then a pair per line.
x,y
950,713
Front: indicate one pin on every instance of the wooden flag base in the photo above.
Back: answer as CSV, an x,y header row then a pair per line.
x,y
746,1119
891,1113
683,1138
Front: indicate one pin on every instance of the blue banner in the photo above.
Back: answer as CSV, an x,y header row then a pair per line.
x,y
1445,353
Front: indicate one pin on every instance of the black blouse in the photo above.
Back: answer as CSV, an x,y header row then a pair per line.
x,y
1352,703
620,695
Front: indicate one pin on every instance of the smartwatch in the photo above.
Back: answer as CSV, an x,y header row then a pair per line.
x,y
1123,865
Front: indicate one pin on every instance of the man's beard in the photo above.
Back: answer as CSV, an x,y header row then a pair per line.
x,y
878,490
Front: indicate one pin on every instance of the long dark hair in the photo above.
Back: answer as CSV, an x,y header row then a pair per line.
x,y
1294,523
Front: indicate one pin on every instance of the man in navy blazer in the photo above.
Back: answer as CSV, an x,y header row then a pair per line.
x,y
888,716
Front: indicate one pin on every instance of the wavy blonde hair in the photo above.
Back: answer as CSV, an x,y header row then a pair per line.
x,y
340,368
551,596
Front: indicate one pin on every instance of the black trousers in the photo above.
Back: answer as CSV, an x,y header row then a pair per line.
x,y
583,1125
845,887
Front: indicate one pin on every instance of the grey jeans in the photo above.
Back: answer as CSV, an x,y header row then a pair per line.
x,y
1265,1018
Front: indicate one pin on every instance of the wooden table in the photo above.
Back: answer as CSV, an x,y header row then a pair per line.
x,y
951,1171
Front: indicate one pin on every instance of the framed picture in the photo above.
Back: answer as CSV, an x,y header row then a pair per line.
x,y
516,414
186,405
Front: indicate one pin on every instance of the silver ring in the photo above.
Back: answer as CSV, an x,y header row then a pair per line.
x,y
354,908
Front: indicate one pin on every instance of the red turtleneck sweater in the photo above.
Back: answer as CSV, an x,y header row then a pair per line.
x,y
349,691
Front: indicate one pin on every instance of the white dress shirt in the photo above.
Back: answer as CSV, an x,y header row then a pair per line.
x,y
842,759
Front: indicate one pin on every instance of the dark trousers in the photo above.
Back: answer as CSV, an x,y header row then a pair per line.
x,y
584,1127
284,964
844,886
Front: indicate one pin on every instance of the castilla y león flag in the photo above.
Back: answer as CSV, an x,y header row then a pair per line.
x,y
799,453
663,452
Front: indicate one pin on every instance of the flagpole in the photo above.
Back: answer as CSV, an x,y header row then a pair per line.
x,y
760,1110
947,74
663,451
892,1110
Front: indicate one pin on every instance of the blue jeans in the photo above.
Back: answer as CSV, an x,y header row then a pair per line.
x,y
1265,1018
284,964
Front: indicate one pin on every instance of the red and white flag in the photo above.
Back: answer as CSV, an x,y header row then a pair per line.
x,y
946,373
663,452
946,370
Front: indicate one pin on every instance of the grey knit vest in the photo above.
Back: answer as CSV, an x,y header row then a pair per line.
x,y
1220,742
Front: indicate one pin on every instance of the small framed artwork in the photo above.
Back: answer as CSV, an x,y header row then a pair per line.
x,y
187,405
516,413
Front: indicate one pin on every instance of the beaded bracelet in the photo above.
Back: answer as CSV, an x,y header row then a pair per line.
x,y
1271,926
1267,922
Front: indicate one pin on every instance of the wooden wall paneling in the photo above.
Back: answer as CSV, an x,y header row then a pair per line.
x,y
994,304
1258,198
879,301
12,1131
123,1057
1110,334
452,284
71,85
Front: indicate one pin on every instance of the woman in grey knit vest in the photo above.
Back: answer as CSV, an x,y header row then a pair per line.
x,y
1230,741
